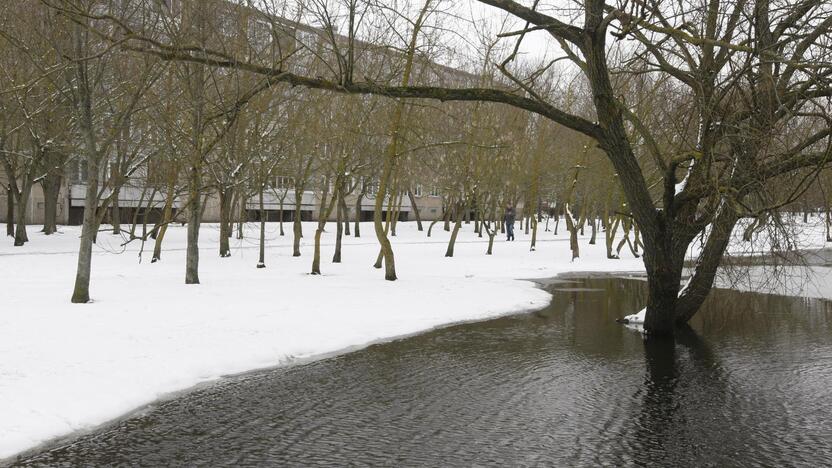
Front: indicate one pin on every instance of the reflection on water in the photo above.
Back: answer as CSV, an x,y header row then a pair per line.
x,y
747,384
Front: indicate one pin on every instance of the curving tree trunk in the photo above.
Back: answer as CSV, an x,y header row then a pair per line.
x,y
415,208
449,252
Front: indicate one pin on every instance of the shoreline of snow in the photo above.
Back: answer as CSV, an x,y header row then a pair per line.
x,y
68,369
287,363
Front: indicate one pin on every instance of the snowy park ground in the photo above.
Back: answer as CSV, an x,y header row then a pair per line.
x,y
68,367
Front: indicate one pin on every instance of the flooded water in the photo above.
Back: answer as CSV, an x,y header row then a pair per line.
x,y
750,384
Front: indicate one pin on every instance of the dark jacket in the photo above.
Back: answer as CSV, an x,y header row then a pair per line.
x,y
509,217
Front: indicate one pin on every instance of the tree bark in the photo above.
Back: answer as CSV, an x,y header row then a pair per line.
x,y
415,209
704,273
51,185
262,261
339,233
115,215
226,196
10,201
297,229
534,233
357,228
20,235
345,213
280,214
194,219
449,252
593,223
323,214
167,218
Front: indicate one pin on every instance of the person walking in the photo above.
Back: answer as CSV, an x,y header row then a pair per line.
x,y
509,220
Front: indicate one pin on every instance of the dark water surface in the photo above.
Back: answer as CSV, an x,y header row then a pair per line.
x,y
749,385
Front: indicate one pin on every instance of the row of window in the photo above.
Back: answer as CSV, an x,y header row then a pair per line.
x,y
78,175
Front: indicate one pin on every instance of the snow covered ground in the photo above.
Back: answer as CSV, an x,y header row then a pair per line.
x,y
66,367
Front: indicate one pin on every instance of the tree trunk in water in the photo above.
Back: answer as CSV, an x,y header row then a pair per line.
x,y
415,209
20,235
664,273
262,261
194,217
10,211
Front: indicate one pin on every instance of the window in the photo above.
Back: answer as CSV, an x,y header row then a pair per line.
x,y
307,38
283,182
418,190
259,33
434,191
79,171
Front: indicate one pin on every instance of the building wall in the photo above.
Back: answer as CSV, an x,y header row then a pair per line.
x,y
35,206
71,197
